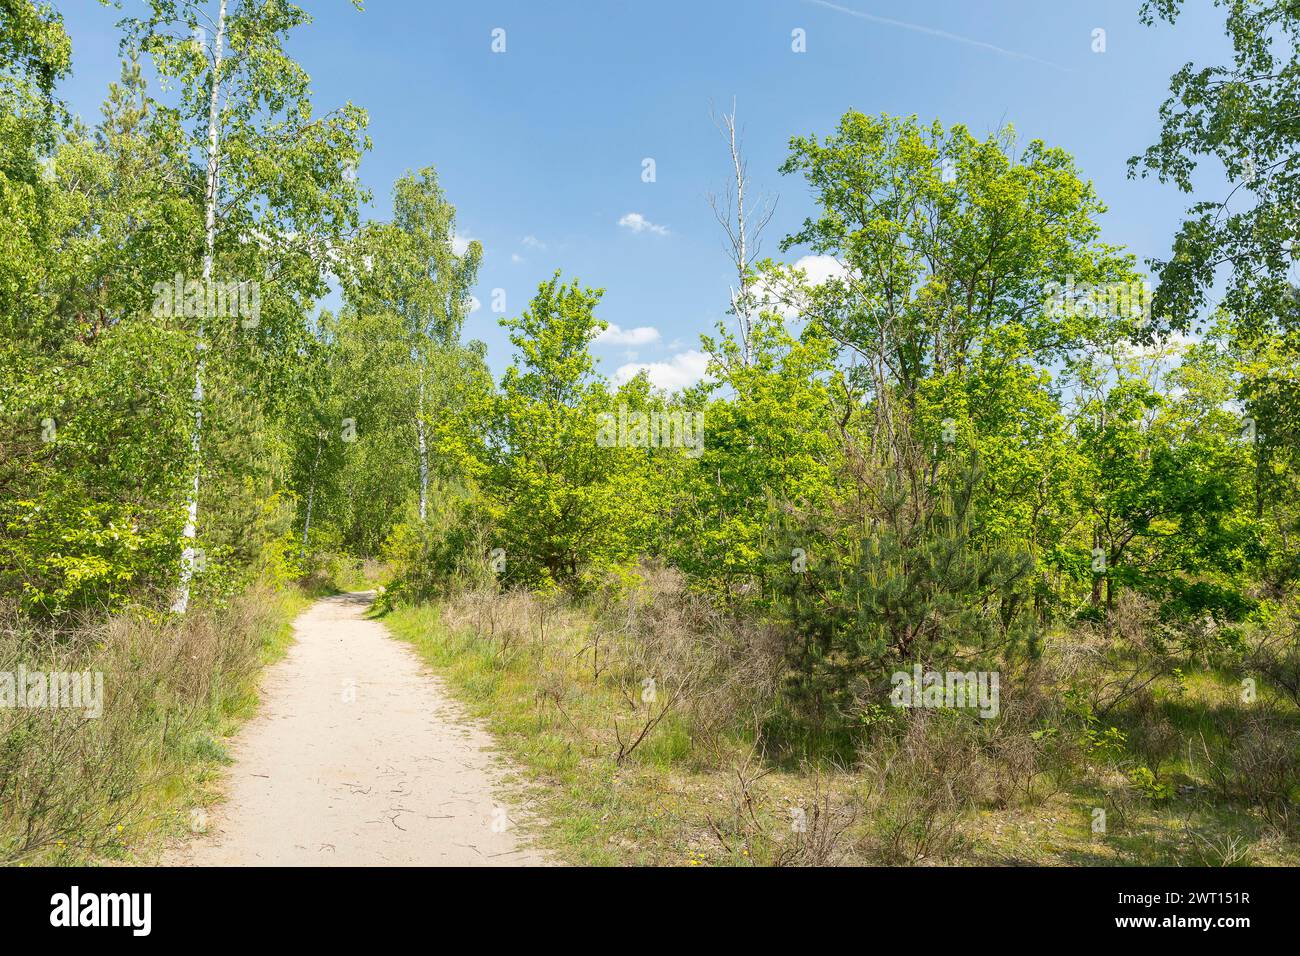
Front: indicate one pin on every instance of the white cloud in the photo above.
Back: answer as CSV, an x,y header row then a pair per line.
x,y
785,299
474,304
639,223
532,242
821,268
680,371
459,244
516,258
616,335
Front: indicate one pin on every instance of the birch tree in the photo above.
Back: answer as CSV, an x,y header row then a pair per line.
x,y
279,195
415,267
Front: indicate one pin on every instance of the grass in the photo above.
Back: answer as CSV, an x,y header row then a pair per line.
x,y
175,692
588,810
670,804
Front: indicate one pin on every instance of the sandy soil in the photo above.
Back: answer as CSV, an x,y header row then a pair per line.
x,y
357,757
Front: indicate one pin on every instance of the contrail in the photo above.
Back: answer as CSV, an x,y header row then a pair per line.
x,y
944,34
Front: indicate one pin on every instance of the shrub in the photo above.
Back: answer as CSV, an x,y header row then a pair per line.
x,y
919,785
446,553
1258,762
1273,653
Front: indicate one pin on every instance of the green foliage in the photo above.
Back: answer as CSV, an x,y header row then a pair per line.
x,y
946,451
92,392
1244,241
561,512
1230,114
391,399
442,555
769,447
886,590
946,241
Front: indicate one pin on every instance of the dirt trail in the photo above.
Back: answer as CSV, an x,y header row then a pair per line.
x,y
357,756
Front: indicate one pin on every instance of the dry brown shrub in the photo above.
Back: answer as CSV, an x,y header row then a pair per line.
x,y
1257,762
1151,735
1273,652
1124,658
720,673
504,619
919,786
817,832
820,833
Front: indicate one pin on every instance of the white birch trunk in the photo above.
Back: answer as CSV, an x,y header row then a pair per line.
x,y
311,496
182,601
423,450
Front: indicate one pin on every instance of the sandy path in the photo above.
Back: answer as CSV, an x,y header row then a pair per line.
x,y
357,756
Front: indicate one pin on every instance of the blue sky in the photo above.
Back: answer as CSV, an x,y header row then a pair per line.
x,y
541,147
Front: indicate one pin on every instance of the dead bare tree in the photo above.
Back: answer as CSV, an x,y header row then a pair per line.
x,y
743,218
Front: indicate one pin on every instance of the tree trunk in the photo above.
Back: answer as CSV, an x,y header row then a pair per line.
x,y
311,495
743,225
423,449
182,601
